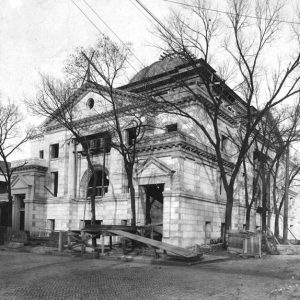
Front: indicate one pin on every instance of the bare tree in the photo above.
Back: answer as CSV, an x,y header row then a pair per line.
x,y
12,137
55,101
248,33
101,66
130,112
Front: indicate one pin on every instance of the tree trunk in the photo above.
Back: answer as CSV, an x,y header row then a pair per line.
x,y
286,198
132,201
276,225
10,210
228,214
248,214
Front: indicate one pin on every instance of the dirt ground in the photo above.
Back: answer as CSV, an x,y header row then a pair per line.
x,y
34,276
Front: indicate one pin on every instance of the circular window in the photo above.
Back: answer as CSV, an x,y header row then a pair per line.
x,y
90,103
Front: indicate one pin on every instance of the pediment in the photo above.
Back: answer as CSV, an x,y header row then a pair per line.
x,y
154,167
20,182
82,108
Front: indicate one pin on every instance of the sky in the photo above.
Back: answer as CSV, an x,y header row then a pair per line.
x,y
36,36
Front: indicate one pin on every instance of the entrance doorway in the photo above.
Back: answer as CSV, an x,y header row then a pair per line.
x,y
20,205
154,208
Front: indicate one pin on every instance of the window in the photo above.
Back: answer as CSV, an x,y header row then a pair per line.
x,y
171,127
41,154
131,135
54,151
224,142
90,103
98,143
54,183
87,223
100,190
51,224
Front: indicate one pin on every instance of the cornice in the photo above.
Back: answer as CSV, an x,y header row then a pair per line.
x,y
32,167
180,142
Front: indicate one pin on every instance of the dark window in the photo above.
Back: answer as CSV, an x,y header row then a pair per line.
x,y
3,187
172,127
54,151
41,153
90,103
100,181
131,135
51,224
54,183
98,143
88,222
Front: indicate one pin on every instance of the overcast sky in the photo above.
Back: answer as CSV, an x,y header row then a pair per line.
x,y
37,35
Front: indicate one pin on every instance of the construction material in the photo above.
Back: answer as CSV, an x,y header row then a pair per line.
x,y
160,245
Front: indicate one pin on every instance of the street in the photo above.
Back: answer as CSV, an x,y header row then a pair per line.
x,y
33,276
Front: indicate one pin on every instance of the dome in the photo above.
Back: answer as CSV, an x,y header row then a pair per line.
x,y
165,65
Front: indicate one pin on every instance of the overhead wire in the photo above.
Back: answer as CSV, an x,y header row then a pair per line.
x,y
230,13
97,27
156,19
113,32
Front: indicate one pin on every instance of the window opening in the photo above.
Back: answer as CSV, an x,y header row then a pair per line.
x,y
99,191
51,224
224,142
41,154
98,143
172,127
54,150
54,182
131,135
90,103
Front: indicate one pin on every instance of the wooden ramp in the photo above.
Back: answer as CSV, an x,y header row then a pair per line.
x,y
160,245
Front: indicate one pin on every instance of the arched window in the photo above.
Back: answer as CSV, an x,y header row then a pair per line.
x,y
99,188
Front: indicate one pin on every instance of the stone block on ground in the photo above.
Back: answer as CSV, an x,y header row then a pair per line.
x,y
15,245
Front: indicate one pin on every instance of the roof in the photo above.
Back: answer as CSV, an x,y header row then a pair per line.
x,y
164,65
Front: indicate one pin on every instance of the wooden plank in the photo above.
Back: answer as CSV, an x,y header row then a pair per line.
x,y
169,248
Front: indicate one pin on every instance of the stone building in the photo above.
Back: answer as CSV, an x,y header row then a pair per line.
x,y
177,181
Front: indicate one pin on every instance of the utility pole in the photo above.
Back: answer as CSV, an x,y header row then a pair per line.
x,y
286,196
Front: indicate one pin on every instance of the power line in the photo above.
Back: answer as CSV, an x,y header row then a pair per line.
x,y
230,13
156,19
137,7
96,27
111,30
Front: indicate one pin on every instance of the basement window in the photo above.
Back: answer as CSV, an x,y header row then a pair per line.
x,y
54,151
172,127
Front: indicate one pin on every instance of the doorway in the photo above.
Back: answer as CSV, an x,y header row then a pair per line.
x,y
154,208
20,204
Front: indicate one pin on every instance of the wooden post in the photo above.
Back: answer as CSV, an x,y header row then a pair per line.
x,y
60,241
110,242
102,244
69,240
82,245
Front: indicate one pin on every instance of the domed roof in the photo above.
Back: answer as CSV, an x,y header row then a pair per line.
x,y
167,64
